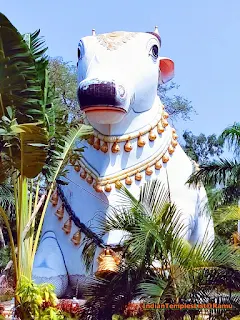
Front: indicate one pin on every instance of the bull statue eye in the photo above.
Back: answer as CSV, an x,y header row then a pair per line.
x,y
80,51
79,54
155,51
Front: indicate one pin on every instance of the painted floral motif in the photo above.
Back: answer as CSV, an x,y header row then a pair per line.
x,y
112,41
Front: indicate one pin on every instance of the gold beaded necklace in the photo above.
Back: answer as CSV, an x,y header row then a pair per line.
x,y
102,143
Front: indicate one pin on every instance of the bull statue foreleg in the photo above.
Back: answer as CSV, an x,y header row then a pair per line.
x,y
203,231
49,265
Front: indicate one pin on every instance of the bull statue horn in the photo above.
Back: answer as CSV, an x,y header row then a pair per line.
x,y
156,30
93,32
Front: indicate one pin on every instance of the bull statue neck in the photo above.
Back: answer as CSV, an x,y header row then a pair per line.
x,y
113,158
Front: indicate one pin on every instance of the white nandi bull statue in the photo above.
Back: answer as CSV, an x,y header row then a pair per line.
x,y
118,77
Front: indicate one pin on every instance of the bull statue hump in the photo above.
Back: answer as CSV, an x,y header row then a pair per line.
x,y
118,77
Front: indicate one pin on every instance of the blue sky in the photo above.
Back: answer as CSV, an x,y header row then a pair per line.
x,y
202,37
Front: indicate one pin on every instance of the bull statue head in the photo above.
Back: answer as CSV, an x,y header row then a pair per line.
x,y
119,73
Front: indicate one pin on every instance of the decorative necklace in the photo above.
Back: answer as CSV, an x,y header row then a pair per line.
x,y
102,143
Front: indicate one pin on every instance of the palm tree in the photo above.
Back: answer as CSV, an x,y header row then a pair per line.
x,y
157,265
223,173
222,177
30,149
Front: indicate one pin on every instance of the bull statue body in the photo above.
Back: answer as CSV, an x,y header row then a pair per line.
x,y
118,78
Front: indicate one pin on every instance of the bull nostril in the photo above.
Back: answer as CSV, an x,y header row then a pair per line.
x,y
121,91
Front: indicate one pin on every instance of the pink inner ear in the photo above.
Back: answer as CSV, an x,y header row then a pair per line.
x,y
167,69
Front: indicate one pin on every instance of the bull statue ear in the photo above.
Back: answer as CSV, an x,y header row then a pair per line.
x,y
166,70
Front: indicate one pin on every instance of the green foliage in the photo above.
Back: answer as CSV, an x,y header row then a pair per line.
x,y
231,136
60,151
37,301
117,317
176,105
157,264
21,108
5,257
223,174
225,220
19,82
6,195
201,148
63,76
6,297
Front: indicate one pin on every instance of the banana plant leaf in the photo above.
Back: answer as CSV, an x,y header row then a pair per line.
x,y
19,85
23,92
31,156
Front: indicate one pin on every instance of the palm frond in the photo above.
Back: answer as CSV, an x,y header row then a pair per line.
x,y
36,45
221,197
232,136
154,235
6,195
59,150
226,213
152,290
217,172
38,49
88,252
118,291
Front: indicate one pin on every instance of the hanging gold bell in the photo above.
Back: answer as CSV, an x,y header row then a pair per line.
x,y
171,149
60,212
104,147
90,140
148,171
128,181
83,174
96,144
158,165
77,168
89,179
165,158
97,187
118,184
175,136
164,123
108,187
72,161
76,238
141,142
115,147
165,115
151,136
138,176
174,143
160,128
128,146
108,263
54,199
67,226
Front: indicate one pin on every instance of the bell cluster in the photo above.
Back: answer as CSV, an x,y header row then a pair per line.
x,y
72,218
